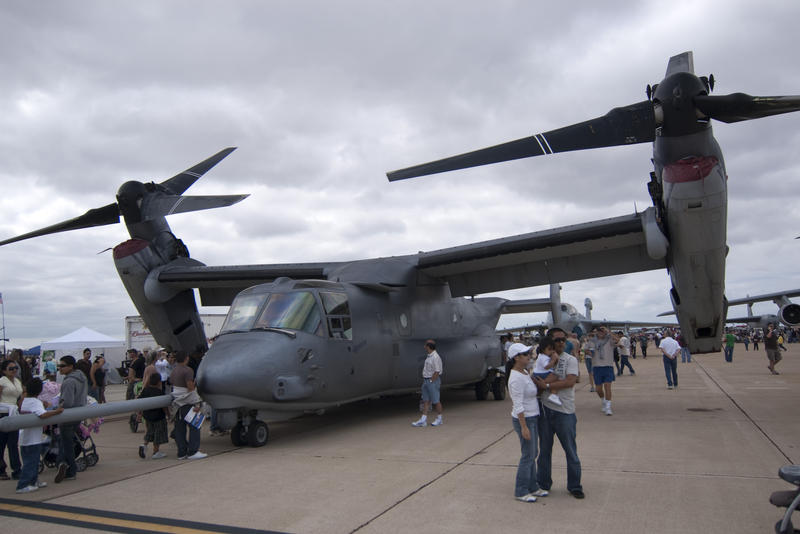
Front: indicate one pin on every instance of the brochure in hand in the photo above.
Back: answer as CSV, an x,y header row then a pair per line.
x,y
195,418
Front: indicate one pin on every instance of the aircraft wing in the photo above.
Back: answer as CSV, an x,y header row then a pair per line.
x,y
589,250
527,306
766,297
219,285
746,319
628,324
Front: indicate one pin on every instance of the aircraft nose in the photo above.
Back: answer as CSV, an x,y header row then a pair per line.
x,y
255,366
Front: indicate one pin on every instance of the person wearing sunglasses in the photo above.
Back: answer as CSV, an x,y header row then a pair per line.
x,y
10,393
558,417
74,390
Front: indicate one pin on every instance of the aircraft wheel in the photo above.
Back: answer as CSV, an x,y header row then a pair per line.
x,y
482,390
499,388
258,434
239,435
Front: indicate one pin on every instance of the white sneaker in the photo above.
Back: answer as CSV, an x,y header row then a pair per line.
x,y
197,456
27,489
420,422
158,455
554,399
437,422
527,498
609,412
540,493
41,484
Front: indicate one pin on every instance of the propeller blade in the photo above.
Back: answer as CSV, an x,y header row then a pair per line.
x,y
183,181
95,217
680,63
741,107
621,126
164,205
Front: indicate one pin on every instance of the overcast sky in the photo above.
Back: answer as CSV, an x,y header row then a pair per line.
x,y
323,97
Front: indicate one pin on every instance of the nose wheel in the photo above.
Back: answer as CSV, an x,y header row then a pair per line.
x,y
256,434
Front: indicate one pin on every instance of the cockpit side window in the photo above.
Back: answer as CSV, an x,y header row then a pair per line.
x,y
293,311
338,311
243,312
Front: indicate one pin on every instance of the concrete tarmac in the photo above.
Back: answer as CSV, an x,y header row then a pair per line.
x,y
702,458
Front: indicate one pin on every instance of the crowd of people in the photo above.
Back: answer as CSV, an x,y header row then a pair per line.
x,y
81,381
540,380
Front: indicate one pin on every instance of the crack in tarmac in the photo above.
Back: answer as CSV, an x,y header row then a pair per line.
x,y
744,412
430,482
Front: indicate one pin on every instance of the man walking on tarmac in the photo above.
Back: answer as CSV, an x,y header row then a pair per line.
x,y
603,368
431,384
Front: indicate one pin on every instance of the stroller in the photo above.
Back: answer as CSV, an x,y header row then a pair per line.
x,y
84,446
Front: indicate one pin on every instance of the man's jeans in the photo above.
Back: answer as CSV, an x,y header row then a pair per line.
x,y
526,471
671,370
625,362
66,447
563,425
686,356
30,465
186,448
728,353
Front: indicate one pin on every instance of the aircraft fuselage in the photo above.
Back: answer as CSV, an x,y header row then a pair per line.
x,y
290,347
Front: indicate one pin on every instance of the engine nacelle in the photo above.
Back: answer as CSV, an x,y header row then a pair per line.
x,y
790,314
172,317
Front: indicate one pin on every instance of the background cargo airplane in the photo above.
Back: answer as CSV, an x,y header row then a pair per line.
x,y
566,316
306,337
788,312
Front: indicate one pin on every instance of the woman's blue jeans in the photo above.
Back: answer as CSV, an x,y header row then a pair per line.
x,y
526,471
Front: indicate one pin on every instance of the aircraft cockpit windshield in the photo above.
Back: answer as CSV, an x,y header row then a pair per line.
x,y
289,311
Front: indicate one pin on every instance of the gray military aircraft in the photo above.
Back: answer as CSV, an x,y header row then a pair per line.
x,y
305,337
567,317
788,312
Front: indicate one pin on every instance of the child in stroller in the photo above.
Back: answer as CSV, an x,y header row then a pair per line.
x,y
85,448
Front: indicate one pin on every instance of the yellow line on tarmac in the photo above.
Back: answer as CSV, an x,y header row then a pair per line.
x,y
31,512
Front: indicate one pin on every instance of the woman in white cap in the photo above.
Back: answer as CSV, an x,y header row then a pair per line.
x,y
524,414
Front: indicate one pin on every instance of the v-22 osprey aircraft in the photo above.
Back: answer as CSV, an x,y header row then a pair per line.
x,y
305,337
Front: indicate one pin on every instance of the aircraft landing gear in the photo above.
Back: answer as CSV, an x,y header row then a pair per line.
x,y
495,382
256,434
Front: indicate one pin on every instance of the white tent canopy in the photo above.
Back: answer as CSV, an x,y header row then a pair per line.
x,y
86,338
80,339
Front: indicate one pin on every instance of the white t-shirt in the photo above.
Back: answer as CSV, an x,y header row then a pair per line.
x,y
31,436
523,394
670,346
542,361
624,346
567,365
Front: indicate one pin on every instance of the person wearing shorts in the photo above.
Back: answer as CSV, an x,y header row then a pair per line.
x,y
431,383
603,368
773,350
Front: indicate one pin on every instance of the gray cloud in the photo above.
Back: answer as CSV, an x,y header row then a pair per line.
x,y
323,98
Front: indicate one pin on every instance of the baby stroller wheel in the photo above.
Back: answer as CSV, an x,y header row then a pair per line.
x,y
133,423
41,467
80,464
91,459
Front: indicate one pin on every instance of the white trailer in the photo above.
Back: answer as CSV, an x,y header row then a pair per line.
x,y
138,336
